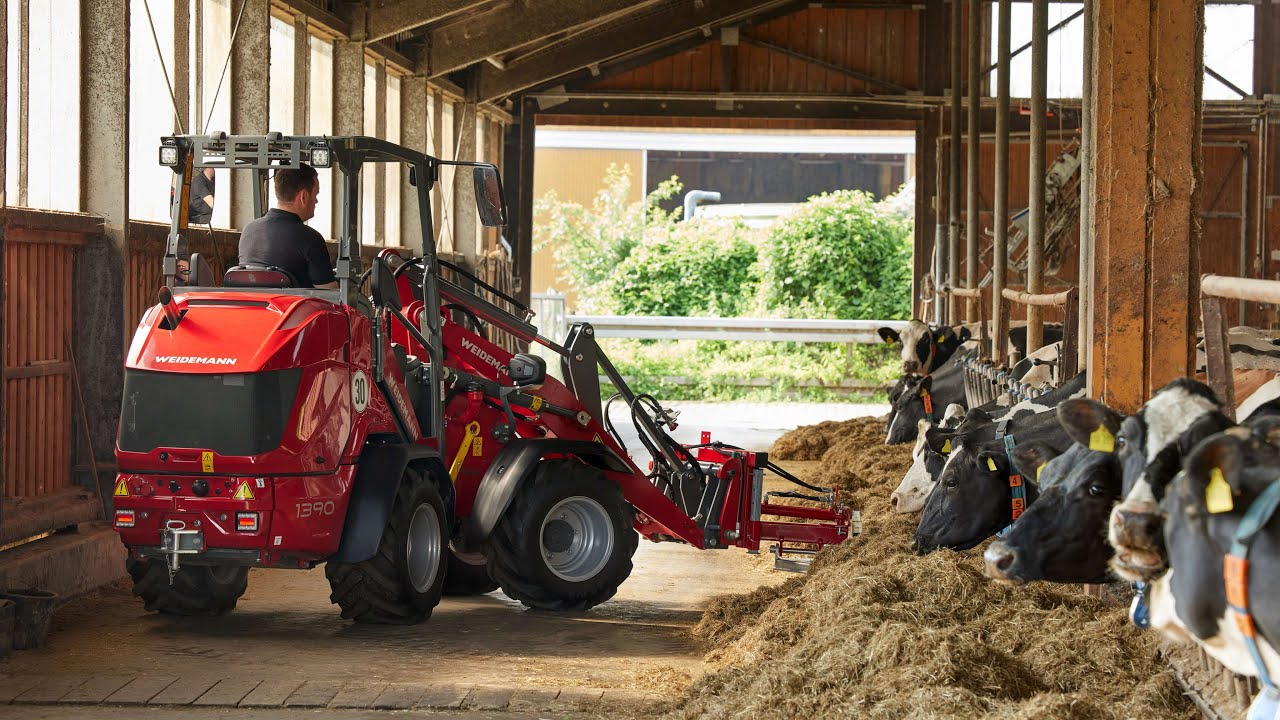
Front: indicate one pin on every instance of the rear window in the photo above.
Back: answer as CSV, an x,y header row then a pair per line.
x,y
233,414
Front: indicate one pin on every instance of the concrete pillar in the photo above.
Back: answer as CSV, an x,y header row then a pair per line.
x,y
463,204
348,106
414,134
182,65
301,76
101,332
250,95
1148,88
379,174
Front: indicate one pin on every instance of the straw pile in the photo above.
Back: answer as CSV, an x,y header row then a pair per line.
x,y
872,631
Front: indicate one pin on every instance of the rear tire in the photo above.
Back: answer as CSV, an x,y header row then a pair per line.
x,y
404,579
566,540
468,574
197,590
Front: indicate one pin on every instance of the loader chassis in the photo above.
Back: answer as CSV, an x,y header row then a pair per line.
x,y
376,429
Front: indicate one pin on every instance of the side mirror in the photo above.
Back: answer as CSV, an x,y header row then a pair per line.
x,y
493,212
527,370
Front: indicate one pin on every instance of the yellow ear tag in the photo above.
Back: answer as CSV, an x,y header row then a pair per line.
x,y
946,446
991,464
940,339
1102,440
1217,494
1040,469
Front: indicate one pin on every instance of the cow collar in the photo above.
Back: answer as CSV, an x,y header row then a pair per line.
x,y
927,400
1017,487
1235,571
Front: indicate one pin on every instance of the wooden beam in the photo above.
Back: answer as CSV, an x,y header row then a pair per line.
x,y
504,28
385,18
820,63
631,34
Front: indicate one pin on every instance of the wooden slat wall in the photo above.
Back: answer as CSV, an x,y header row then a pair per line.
x,y
39,424
880,43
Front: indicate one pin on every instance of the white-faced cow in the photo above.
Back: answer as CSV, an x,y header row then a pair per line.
x,y
1226,479
979,490
924,350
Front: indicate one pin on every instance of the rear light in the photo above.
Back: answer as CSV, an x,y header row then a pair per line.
x,y
125,518
247,521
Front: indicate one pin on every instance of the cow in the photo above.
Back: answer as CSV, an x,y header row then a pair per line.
x,y
924,350
1062,536
976,495
910,494
1223,478
925,465
1150,446
924,398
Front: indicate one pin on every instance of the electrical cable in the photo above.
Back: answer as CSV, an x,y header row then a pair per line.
x,y
214,101
177,115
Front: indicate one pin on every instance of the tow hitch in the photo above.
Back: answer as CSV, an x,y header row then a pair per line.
x,y
176,540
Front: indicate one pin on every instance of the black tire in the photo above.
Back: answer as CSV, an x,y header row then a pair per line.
x,y
466,576
197,590
514,548
382,589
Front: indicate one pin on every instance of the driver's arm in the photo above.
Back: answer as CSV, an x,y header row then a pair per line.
x,y
319,266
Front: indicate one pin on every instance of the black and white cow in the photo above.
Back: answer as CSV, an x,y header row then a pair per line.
x,y
924,398
924,350
926,464
1062,537
974,497
1222,478
1151,446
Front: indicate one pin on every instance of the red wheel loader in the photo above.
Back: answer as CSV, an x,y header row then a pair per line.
x,y
378,430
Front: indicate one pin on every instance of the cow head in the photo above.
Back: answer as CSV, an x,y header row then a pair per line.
x,y
926,464
923,349
1062,536
1150,447
909,408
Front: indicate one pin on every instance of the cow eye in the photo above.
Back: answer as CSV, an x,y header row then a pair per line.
x,y
1095,490
1120,441
952,482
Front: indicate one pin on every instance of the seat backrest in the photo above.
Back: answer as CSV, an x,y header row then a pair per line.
x,y
201,274
386,293
265,276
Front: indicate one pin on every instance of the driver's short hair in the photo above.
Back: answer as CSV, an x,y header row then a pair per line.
x,y
291,181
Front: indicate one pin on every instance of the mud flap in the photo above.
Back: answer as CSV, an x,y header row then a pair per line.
x,y
513,466
374,492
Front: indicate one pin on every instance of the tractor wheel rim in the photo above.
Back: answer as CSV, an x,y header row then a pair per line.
x,y
576,539
423,548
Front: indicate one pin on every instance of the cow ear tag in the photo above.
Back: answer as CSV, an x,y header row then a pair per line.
x,y
940,339
1102,440
1217,494
1040,469
991,464
946,446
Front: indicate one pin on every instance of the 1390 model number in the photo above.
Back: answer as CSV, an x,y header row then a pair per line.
x,y
314,509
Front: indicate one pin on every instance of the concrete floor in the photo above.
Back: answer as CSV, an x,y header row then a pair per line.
x,y
286,629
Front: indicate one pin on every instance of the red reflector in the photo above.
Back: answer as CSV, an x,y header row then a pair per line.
x,y
125,518
247,522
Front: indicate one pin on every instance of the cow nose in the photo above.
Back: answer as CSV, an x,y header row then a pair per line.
x,y
998,559
1139,526
910,366
893,501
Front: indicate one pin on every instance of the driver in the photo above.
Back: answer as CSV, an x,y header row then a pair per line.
x,y
281,237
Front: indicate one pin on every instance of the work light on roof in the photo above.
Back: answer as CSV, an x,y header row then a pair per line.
x,y
320,157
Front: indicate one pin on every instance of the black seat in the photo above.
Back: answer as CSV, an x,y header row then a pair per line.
x,y
260,276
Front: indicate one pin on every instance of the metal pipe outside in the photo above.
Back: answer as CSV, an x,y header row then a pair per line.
x,y
1000,244
1236,288
1036,300
953,167
1036,182
974,157
966,292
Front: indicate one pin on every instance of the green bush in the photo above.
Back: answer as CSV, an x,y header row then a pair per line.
x,y
839,256
702,267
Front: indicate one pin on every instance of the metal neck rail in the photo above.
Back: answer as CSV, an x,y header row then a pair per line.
x,y
1213,290
989,375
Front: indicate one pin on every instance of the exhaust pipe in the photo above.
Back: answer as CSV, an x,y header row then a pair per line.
x,y
171,315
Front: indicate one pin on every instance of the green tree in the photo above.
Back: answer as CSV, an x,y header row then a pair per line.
x,y
702,267
838,256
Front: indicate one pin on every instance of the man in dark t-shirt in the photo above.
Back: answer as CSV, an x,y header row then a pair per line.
x,y
200,207
281,238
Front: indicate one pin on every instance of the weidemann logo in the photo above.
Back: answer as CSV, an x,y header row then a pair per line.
x,y
194,360
483,355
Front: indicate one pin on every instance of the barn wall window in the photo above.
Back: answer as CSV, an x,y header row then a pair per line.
x,y
150,111
321,123
393,170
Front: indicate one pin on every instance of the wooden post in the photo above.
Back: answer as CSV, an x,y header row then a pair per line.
x,y
1146,174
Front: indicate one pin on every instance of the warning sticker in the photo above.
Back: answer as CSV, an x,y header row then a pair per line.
x,y
122,490
597,439
243,492
206,460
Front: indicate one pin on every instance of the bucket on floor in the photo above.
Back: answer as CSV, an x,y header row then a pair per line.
x,y
6,626
33,613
